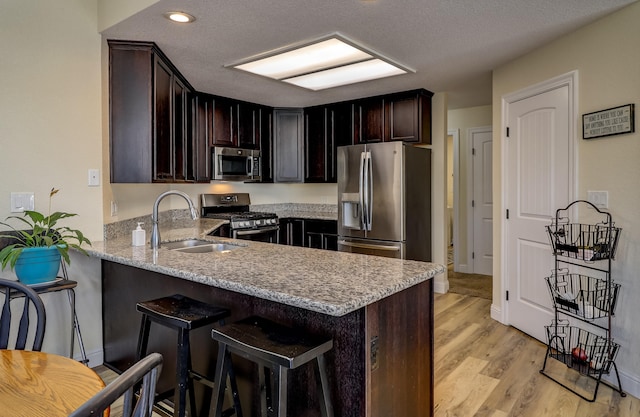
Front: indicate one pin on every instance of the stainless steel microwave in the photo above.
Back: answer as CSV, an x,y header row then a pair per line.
x,y
235,164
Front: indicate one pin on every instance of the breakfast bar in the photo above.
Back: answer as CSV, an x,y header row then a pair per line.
x,y
378,311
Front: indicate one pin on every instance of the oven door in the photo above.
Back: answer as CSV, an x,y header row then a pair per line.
x,y
265,234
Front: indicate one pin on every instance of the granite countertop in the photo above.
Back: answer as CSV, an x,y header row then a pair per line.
x,y
329,282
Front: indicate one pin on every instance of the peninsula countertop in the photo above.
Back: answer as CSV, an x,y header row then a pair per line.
x,y
329,282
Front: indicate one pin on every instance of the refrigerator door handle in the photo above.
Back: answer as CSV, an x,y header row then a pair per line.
x,y
369,246
369,182
361,183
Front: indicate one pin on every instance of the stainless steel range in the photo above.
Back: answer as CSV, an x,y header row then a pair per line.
x,y
243,224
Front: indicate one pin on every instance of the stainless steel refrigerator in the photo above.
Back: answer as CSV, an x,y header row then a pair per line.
x,y
384,200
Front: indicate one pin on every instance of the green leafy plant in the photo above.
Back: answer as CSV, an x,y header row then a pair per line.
x,y
40,231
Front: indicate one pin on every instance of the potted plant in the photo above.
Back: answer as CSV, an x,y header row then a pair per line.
x,y
35,250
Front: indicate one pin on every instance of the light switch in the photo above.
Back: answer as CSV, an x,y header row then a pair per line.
x,y
599,199
22,201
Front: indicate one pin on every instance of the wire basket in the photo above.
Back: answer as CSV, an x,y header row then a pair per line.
x,y
580,349
587,242
582,295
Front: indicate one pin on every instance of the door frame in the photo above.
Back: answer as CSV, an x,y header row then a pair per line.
x,y
470,190
455,135
570,80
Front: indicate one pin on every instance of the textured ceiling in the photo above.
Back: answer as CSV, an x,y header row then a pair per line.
x,y
452,44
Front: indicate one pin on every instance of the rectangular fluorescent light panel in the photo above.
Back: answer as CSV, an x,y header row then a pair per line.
x,y
324,64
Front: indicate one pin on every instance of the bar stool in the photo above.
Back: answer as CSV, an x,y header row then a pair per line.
x,y
275,348
182,314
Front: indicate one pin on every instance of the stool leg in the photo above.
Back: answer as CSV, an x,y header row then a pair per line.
x,y
324,393
265,390
182,374
280,387
190,387
234,385
220,379
143,338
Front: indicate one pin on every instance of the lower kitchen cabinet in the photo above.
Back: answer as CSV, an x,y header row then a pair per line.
x,y
291,232
321,234
310,233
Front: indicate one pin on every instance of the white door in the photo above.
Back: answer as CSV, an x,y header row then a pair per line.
x,y
481,139
538,180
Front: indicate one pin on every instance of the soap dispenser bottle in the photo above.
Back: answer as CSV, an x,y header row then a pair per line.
x,y
138,236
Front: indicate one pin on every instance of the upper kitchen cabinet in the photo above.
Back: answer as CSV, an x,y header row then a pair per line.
x,y
149,116
201,121
326,128
402,116
369,123
288,145
316,144
235,124
264,122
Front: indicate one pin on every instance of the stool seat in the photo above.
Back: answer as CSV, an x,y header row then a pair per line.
x,y
183,314
271,342
276,348
178,311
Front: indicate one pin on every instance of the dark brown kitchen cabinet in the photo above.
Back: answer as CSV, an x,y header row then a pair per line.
x,y
265,133
326,128
222,129
316,144
409,116
148,115
291,232
369,121
288,145
321,234
402,116
201,120
235,124
248,125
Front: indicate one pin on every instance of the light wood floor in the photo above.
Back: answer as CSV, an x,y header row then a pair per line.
x,y
485,369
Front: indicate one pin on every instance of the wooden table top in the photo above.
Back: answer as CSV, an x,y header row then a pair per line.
x,y
34,384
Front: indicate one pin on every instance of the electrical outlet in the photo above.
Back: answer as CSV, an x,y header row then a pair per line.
x,y
114,209
94,177
599,199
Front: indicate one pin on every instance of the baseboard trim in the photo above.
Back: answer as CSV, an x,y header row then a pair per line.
x,y
496,314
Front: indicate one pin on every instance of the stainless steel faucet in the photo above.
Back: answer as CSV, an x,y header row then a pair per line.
x,y
155,232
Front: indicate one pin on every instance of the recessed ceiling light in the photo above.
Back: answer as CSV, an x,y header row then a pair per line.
x,y
330,61
179,17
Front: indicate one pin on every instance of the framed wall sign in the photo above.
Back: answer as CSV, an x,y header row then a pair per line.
x,y
609,122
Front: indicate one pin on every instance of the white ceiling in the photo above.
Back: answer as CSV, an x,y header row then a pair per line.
x,y
452,44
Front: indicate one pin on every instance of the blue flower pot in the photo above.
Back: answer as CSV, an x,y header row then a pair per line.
x,y
38,265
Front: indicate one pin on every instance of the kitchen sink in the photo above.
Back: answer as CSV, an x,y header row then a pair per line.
x,y
199,246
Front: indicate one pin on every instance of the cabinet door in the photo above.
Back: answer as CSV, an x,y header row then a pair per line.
x,y
288,145
369,121
321,234
201,117
339,133
409,117
223,131
266,143
291,232
315,146
131,113
403,119
163,146
247,125
180,138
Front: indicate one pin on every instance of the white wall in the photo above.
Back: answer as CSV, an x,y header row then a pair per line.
x,y
50,132
605,54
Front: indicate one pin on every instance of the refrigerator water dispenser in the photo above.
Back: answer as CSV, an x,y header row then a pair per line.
x,y
351,210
